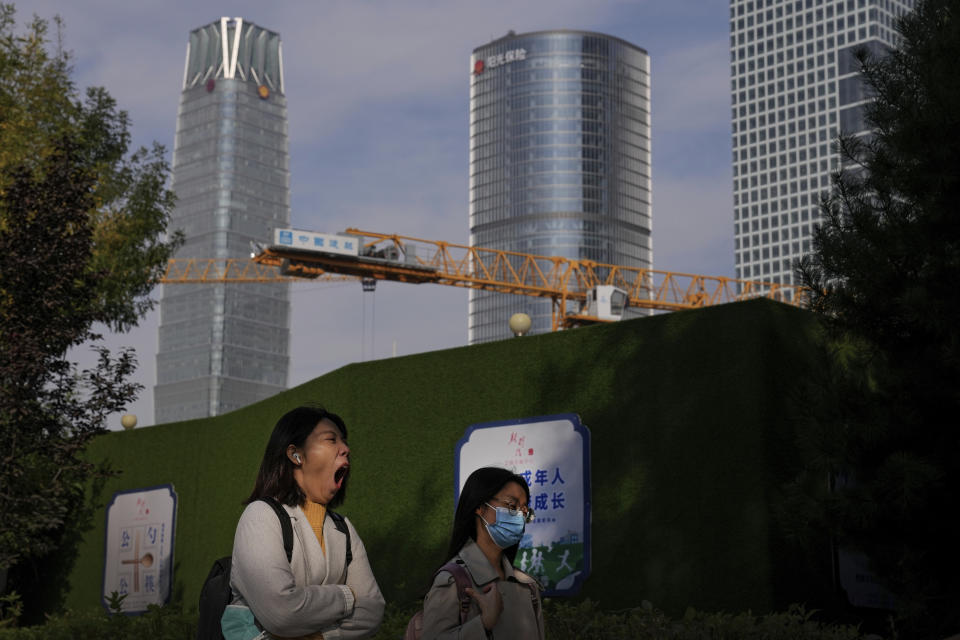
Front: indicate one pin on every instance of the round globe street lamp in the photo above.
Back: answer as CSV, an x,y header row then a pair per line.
x,y
519,324
128,421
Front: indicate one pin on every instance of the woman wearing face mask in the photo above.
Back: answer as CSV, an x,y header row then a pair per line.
x,y
325,589
504,601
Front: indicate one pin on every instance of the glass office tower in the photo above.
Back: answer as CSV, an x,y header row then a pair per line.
x,y
794,87
559,158
225,346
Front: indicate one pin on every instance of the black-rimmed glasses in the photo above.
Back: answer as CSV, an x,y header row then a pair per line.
x,y
528,514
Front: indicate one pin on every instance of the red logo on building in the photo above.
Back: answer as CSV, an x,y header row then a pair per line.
x,y
478,67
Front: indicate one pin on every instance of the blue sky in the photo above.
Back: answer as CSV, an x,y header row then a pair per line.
x,y
377,103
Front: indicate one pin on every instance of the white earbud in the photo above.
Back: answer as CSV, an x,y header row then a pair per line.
x,y
297,457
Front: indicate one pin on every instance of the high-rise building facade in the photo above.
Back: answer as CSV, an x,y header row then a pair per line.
x,y
559,158
794,85
223,346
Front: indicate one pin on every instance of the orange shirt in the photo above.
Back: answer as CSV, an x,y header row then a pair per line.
x,y
315,513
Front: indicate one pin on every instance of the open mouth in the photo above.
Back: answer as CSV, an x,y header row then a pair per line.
x,y
340,475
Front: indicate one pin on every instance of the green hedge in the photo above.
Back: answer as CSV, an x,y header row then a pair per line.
x,y
691,440
159,623
564,621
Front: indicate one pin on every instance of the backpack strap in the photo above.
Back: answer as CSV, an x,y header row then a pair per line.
x,y
285,525
534,587
459,573
341,524
534,598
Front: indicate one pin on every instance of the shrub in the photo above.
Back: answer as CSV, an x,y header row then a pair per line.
x,y
158,623
586,621
564,621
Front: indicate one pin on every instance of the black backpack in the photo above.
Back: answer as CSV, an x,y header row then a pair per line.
x,y
216,594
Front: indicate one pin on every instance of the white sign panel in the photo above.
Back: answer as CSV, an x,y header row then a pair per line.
x,y
138,553
860,583
323,242
553,454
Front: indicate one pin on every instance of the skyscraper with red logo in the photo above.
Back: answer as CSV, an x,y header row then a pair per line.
x,y
559,158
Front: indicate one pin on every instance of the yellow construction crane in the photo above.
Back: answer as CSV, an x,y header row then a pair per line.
x,y
375,256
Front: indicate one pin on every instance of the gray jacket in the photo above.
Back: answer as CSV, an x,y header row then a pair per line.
x,y
521,617
310,593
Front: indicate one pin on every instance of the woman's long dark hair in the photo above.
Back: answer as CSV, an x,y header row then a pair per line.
x,y
275,478
482,485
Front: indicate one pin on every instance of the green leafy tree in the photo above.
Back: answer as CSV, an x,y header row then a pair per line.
x,y
82,243
884,273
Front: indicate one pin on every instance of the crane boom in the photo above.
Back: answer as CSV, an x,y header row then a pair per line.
x,y
226,270
417,260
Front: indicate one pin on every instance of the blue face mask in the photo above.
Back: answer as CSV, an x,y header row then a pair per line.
x,y
507,530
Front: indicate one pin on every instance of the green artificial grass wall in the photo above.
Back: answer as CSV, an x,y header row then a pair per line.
x,y
690,423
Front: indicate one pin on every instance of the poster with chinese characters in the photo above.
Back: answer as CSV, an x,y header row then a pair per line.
x,y
552,453
138,553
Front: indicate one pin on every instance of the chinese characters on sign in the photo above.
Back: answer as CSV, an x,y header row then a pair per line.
x,y
324,242
139,547
552,453
499,59
542,500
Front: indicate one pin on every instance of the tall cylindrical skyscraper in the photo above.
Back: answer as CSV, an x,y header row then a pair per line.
x,y
559,158
223,346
